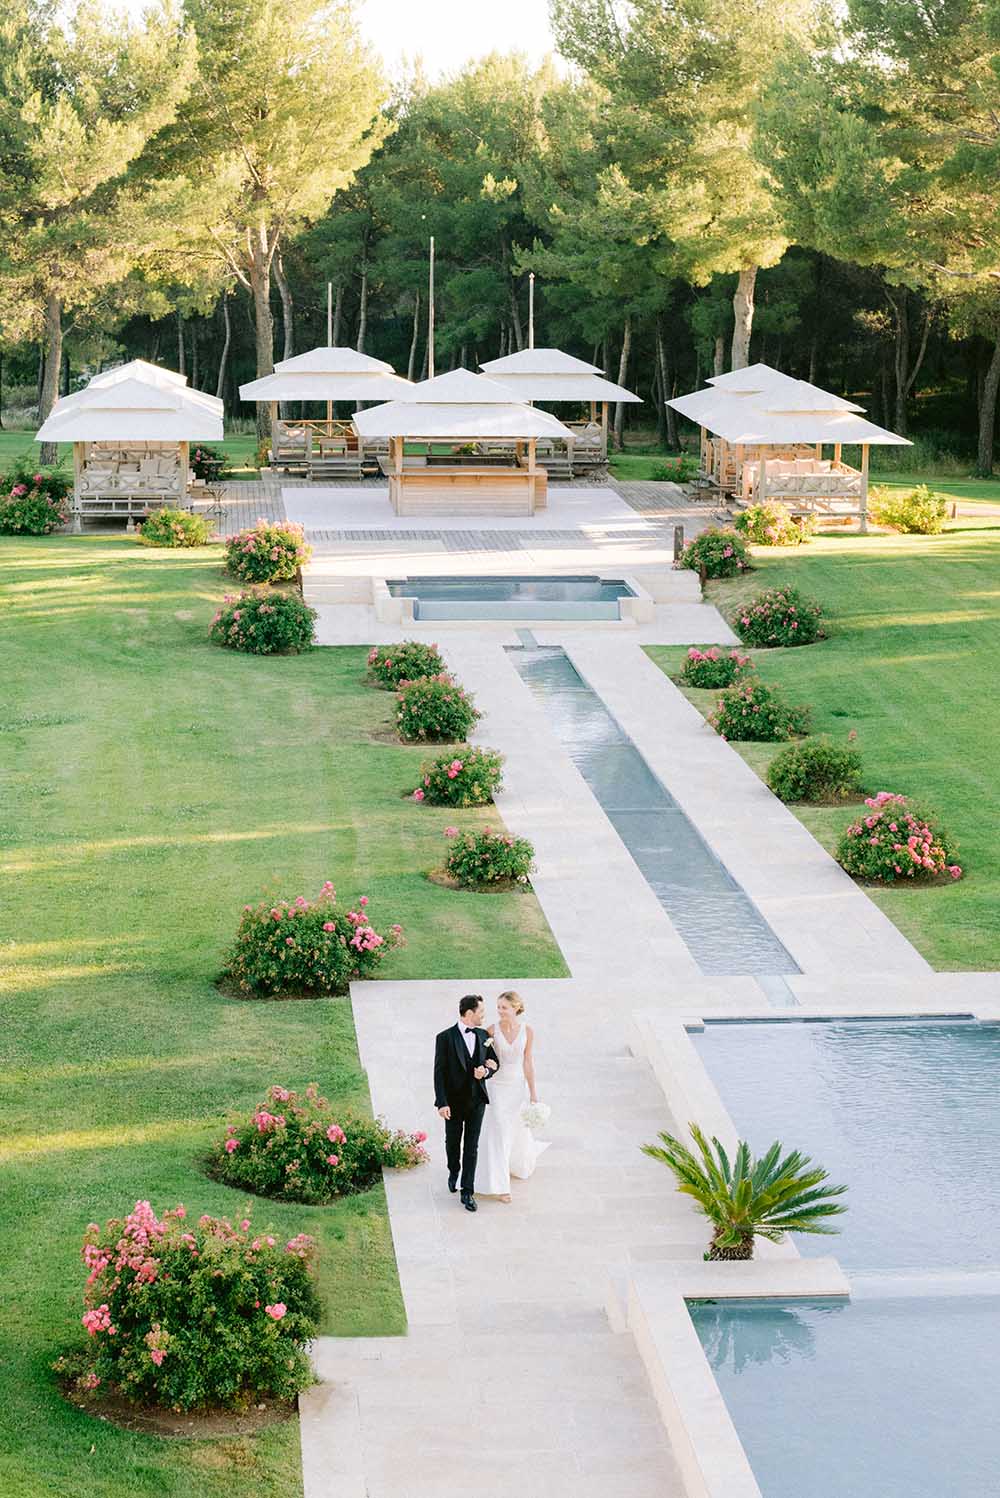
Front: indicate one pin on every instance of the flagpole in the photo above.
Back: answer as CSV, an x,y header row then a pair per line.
x,y
531,309
430,315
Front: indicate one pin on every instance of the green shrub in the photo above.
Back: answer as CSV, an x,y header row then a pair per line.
x,y
722,553
893,841
815,770
391,664
750,710
915,512
33,501
679,470
477,859
195,1316
272,552
710,668
306,946
470,777
208,463
435,708
297,1149
169,527
769,524
264,624
779,616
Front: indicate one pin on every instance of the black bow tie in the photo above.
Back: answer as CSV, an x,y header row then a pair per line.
x,y
469,1031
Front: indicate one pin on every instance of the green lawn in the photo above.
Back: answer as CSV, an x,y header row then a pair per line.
x,y
239,450
963,488
914,635
151,785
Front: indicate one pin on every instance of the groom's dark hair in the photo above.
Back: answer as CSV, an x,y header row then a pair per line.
x,y
471,1001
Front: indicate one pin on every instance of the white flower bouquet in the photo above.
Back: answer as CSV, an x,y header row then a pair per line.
x,y
536,1115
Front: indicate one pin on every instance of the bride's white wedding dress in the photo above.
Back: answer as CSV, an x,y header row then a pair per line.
x,y
507,1146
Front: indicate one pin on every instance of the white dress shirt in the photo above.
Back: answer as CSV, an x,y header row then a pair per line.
x,y
470,1040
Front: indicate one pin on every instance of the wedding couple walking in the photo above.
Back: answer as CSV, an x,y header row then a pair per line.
x,y
483,1078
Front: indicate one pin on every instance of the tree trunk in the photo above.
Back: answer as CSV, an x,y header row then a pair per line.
x,y
220,380
53,364
287,307
66,372
907,368
813,356
181,367
338,309
195,371
414,337
743,315
41,375
719,356
259,271
988,414
622,376
658,405
363,307
739,1252
515,318
663,411
1,390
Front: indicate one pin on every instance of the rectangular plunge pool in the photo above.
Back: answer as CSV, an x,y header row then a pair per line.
x,y
888,1397
523,598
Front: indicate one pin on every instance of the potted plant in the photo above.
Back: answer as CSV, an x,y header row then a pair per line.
x,y
749,1198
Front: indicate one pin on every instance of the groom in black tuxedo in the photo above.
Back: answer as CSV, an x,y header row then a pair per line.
x,y
463,1059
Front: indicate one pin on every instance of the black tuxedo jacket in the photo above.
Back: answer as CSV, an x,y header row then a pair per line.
x,y
454,1084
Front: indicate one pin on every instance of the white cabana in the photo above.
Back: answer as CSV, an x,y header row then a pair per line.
x,y
763,436
323,448
547,374
490,465
131,428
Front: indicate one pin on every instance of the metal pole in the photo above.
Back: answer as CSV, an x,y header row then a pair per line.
x,y
329,314
531,309
430,316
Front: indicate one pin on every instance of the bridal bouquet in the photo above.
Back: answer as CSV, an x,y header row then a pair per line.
x,y
536,1115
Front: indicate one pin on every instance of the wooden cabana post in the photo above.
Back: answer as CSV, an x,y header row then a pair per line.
x,y
863,517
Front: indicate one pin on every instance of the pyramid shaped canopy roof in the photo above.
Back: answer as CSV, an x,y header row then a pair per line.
x,y
547,374
539,361
779,392
459,386
327,374
742,420
135,402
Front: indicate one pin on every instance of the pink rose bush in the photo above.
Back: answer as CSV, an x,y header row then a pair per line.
x,y
468,777
435,708
296,1147
770,524
893,840
388,665
481,859
183,1315
722,553
272,552
170,527
749,710
310,946
264,623
779,616
713,667
33,501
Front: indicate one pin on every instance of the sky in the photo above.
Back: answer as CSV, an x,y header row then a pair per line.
x,y
446,33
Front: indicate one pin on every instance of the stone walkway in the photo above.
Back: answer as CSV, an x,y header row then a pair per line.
x,y
511,1379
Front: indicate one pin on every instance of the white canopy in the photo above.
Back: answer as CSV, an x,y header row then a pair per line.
x,y
761,421
780,390
327,374
135,402
458,404
547,374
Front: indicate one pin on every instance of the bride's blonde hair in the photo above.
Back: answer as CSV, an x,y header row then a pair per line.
x,y
514,1000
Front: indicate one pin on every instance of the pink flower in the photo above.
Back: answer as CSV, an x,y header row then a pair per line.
x,y
420,1136
277,1311
244,1225
452,774
455,765
232,1144
363,901
329,926
451,832
289,941
335,1134
418,795
157,1354
333,1159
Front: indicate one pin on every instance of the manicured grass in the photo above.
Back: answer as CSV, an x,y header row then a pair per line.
x,y
914,634
639,467
961,487
151,785
240,451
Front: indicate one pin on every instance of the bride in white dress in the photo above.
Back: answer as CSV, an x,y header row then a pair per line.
x,y
507,1146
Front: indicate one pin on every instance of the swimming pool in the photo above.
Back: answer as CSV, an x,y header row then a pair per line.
x,y
527,598
877,1397
904,1111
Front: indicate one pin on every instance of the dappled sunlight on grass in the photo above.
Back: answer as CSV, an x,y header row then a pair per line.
x,y
55,857
114,1137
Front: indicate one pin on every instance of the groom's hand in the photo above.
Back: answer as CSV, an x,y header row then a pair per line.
x,y
445,1112
493,1065
479,1073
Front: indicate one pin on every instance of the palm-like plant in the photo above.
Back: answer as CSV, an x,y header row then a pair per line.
x,y
746,1198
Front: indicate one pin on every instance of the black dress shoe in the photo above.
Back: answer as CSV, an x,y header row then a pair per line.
x,y
469,1202
453,1184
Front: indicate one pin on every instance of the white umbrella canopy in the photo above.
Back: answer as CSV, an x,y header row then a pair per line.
x,y
476,421
741,420
777,391
328,374
547,374
135,402
539,361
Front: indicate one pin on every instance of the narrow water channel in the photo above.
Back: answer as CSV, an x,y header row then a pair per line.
x,y
724,931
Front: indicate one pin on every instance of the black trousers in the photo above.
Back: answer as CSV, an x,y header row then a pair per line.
x,y
461,1137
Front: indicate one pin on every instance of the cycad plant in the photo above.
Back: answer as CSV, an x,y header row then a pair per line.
x,y
746,1198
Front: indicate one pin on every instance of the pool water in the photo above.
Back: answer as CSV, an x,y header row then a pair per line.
x,y
904,1111
871,1398
537,598
720,925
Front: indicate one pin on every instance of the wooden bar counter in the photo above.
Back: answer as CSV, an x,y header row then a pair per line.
x,y
467,489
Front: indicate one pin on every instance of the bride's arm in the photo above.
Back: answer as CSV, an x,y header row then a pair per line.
x,y
529,1062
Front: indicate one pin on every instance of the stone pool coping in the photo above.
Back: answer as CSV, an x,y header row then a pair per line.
x,y
639,608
